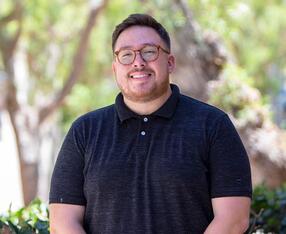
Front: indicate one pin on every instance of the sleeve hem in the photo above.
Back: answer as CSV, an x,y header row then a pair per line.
x,y
233,194
62,200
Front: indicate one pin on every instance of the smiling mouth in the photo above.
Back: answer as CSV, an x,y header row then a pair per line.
x,y
140,76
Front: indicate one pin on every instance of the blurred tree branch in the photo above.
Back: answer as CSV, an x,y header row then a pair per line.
x,y
9,46
191,23
77,65
15,14
22,115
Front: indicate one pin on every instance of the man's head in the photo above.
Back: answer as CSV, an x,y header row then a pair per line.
x,y
142,58
141,20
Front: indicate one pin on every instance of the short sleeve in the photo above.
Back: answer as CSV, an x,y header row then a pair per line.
x,y
67,178
228,161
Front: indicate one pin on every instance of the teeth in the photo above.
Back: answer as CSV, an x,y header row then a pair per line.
x,y
139,76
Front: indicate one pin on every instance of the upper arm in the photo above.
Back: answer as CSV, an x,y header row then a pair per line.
x,y
68,177
67,200
66,218
228,162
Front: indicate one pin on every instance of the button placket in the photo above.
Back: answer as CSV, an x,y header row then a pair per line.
x,y
143,132
143,138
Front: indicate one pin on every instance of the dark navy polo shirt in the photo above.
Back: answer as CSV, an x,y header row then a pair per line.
x,y
150,173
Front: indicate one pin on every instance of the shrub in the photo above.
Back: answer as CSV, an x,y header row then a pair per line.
x,y
268,210
268,215
29,220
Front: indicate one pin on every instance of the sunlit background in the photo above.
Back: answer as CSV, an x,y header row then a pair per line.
x,y
55,65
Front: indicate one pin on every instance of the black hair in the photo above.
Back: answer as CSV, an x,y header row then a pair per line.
x,y
141,20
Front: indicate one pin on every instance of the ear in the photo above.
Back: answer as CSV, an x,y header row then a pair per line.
x,y
171,63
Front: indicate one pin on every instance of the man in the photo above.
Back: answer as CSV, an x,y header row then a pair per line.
x,y
154,162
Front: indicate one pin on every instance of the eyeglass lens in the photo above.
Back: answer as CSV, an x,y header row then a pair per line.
x,y
148,53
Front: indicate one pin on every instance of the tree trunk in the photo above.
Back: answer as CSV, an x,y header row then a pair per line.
x,y
28,168
201,55
27,120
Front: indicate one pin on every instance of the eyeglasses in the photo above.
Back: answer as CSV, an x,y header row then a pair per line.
x,y
148,53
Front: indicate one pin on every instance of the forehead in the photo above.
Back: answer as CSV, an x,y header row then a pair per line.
x,y
136,36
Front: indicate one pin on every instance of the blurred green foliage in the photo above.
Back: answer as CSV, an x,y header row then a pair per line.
x,y
253,32
85,98
269,210
235,93
29,220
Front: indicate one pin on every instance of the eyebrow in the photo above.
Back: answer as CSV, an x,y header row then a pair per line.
x,y
130,47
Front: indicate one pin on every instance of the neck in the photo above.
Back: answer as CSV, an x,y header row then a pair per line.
x,y
147,108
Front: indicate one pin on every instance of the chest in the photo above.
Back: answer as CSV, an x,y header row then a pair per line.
x,y
158,154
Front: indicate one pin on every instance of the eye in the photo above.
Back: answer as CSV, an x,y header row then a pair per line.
x,y
125,53
149,51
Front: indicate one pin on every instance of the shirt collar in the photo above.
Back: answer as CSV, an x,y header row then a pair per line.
x,y
166,110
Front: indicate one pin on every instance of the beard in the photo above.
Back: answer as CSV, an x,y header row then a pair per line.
x,y
145,91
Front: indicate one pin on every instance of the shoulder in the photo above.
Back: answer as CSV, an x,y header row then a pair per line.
x,y
96,116
94,120
87,126
193,108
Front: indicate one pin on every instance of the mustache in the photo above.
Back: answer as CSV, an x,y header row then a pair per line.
x,y
140,70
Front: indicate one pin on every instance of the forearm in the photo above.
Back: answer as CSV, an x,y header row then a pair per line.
x,y
75,228
66,219
227,226
231,215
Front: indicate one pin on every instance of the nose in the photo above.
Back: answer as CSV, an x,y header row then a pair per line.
x,y
138,61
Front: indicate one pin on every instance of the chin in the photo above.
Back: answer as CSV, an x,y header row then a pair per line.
x,y
144,96
140,97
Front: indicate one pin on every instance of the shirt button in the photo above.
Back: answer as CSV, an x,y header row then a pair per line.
x,y
145,119
143,133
